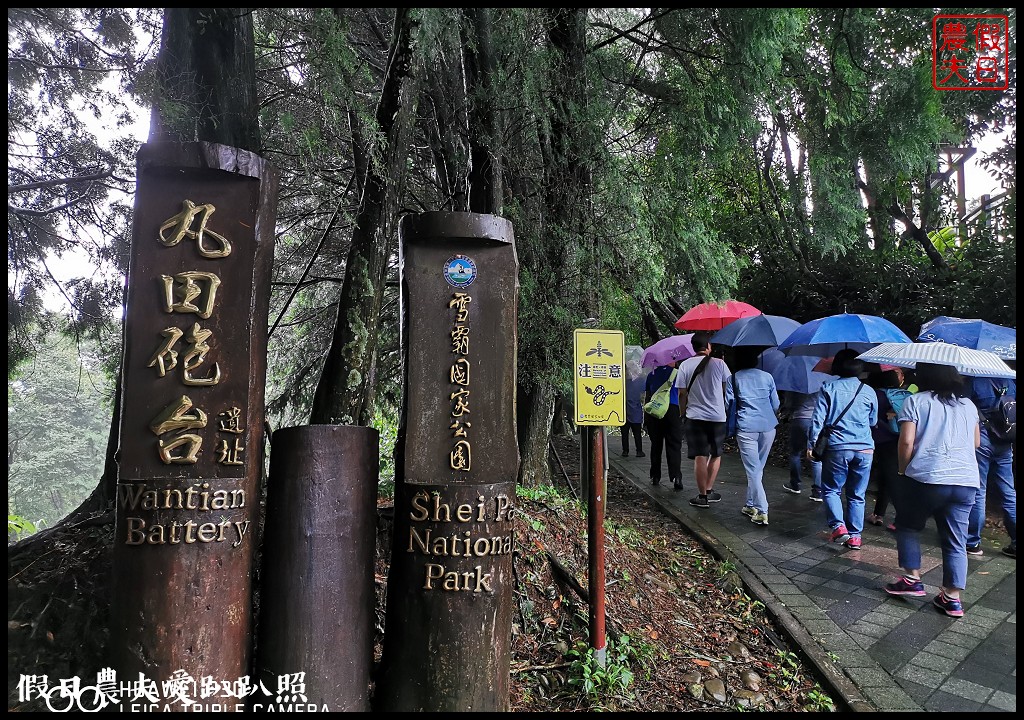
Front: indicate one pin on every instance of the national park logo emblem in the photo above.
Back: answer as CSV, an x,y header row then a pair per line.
x,y
460,271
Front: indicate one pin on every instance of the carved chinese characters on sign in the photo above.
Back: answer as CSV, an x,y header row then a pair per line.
x,y
190,292
185,431
460,458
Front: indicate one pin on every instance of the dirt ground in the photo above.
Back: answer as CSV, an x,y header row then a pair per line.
x,y
683,634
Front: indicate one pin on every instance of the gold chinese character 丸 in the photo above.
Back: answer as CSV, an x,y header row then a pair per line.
x,y
181,224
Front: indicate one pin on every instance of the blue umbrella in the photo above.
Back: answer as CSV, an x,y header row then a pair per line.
x,y
971,333
760,330
769,359
795,373
828,335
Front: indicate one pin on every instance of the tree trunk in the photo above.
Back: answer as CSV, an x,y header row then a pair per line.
x,y
207,79
535,411
486,194
344,394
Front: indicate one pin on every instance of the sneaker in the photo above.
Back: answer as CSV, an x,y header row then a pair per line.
x,y
655,481
625,453
759,518
749,511
790,489
700,501
816,494
948,605
906,586
975,550
839,535
677,485
641,453
1010,551
891,526
876,519
714,497
853,543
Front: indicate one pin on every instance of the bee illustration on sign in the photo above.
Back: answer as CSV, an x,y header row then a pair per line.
x,y
599,351
460,271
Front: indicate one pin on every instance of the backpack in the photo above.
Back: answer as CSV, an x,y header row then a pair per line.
x,y
1001,422
896,397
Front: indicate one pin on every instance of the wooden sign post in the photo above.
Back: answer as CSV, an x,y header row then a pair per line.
x,y
449,609
192,416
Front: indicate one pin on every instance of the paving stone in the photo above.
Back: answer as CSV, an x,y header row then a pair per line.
x,y
944,702
966,689
920,659
1004,701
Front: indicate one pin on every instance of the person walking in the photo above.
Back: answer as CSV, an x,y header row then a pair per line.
x,y
995,463
757,405
850,408
635,388
665,432
799,407
701,385
939,434
890,394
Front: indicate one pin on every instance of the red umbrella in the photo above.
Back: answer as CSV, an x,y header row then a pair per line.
x,y
714,316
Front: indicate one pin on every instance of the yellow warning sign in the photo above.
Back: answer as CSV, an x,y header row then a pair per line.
x,y
600,372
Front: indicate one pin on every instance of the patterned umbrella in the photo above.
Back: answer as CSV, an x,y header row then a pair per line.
x,y
976,363
714,316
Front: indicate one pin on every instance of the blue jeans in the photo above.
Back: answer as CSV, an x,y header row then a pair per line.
x,y
799,434
995,463
950,505
849,471
754,447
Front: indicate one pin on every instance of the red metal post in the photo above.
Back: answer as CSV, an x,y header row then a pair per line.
x,y
595,535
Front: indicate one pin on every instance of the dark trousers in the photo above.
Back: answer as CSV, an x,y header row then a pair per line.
x,y
885,465
666,432
637,429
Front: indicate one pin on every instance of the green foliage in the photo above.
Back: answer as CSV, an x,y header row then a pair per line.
x,y
59,407
19,526
386,422
603,685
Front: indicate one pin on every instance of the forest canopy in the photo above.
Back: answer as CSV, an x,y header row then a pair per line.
x,y
650,159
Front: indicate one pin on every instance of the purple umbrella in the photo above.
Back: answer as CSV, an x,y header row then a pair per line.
x,y
668,350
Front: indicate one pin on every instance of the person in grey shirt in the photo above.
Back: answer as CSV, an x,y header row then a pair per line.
x,y
937,478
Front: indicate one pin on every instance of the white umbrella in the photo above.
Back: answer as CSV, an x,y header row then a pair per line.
x,y
976,363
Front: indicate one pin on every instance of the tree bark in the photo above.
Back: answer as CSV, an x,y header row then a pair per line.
x,y
207,79
486,194
344,394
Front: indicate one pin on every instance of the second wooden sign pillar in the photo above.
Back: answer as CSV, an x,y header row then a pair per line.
x,y
448,619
